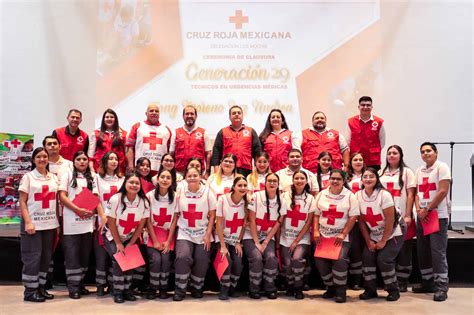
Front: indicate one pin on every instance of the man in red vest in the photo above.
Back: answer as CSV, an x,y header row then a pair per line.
x,y
366,134
71,138
191,141
319,138
237,139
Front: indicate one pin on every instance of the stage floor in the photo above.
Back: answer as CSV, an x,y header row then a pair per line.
x,y
460,301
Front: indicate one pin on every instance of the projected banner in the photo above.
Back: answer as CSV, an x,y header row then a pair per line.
x,y
215,54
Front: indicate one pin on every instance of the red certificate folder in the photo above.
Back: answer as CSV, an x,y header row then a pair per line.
x,y
162,236
220,264
87,200
432,226
327,248
411,230
131,259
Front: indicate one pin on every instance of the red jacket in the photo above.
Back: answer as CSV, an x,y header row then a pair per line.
x,y
314,143
277,147
188,145
70,144
107,146
365,139
238,143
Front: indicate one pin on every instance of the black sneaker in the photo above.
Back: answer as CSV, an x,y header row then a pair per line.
x,y
35,297
368,294
393,296
178,297
440,296
74,295
118,298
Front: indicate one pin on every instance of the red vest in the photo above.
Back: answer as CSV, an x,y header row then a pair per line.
x,y
188,145
107,146
277,147
365,139
314,143
238,143
71,144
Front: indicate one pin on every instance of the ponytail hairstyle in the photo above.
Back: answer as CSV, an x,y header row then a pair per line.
x,y
319,171
174,184
103,164
117,139
87,174
267,199
123,190
253,177
171,190
306,189
401,164
35,153
139,163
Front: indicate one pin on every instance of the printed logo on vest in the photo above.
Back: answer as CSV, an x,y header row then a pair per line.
x,y
375,125
198,135
286,139
80,139
330,134
246,133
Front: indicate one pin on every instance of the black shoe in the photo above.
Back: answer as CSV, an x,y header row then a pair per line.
x,y
163,294
341,298
224,294
150,295
393,296
440,296
330,293
178,297
118,298
74,295
254,295
368,294
128,296
272,295
100,291
299,295
403,286
48,285
35,297
290,292
423,288
84,291
233,292
306,287
197,294
42,291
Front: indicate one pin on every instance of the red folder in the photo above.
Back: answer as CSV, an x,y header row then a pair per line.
x,y
327,248
411,230
162,236
220,264
87,200
432,226
131,259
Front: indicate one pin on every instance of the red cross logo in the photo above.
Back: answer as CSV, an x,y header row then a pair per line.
x,y
15,143
113,190
296,216
262,186
162,218
265,223
234,224
371,218
191,215
152,140
238,19
129,224
426,187
325,183
332,214
355,187
226,191
392,190
45,196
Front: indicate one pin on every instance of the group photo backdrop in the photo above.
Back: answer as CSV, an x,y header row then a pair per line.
x,y
414,58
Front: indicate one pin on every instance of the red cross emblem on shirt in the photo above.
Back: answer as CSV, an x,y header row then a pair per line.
x,y
162,218
296,215
371,218
332,214
113,190
129,224
392,190
234,224
226,191
265,223
355,187
325,183
152,140
191,215
426,187
45,196
262,186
